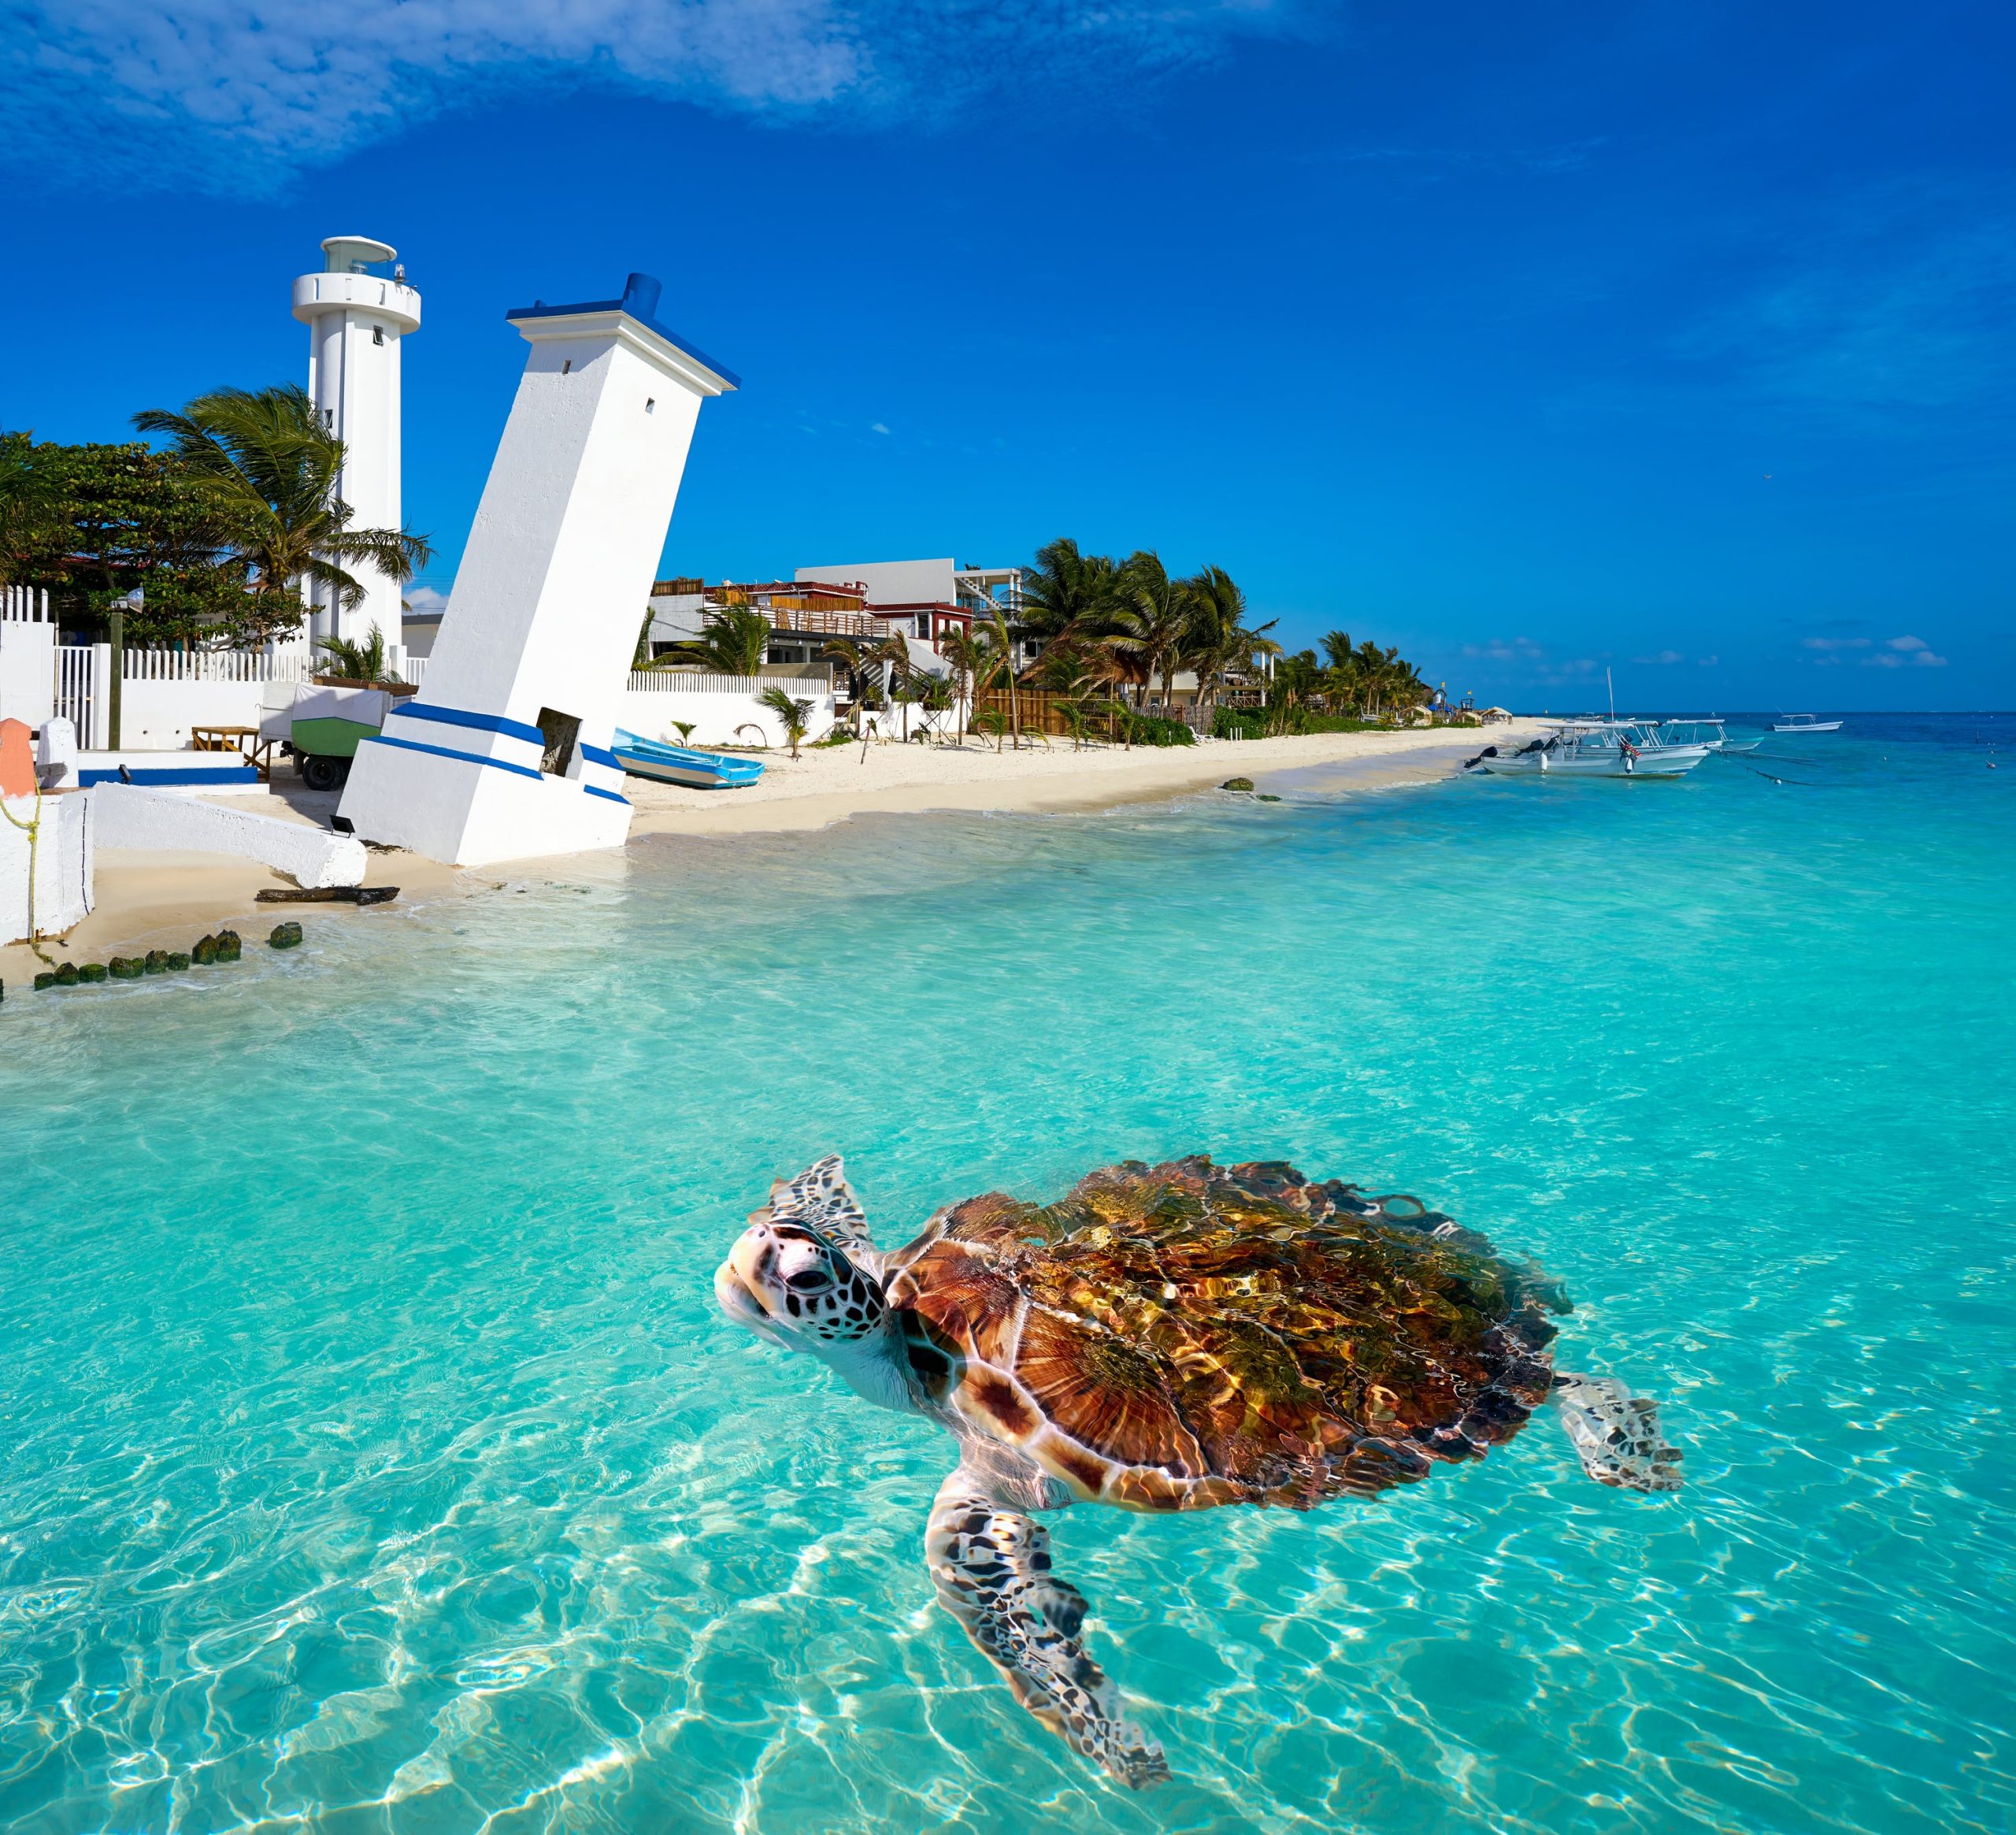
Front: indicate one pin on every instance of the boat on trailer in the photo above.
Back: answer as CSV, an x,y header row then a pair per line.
x,y
666,763
1595,748
1804,723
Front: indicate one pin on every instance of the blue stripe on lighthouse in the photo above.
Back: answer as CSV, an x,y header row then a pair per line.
x,y
477,722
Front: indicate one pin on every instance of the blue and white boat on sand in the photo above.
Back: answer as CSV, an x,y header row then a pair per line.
x,y
671,764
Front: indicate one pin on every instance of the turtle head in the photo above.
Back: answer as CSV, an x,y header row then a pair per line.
x,y
802,1274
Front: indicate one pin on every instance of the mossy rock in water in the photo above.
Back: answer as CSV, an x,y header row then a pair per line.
x,y
229,947
90,971
177,960
44,978
1236,783
126,967
66,974
285,936
204,951
156,962
1262,796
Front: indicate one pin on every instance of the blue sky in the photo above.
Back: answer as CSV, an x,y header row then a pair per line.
x,y
1670,337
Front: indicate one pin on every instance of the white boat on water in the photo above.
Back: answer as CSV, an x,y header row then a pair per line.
x,y
1804,723
1595,748
1711,732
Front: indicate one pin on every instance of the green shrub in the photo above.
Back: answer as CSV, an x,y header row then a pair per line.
x,y
1264,722
1150,729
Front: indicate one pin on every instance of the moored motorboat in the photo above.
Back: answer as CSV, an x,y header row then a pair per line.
x,y
1711,732
1804,723
1622,748
666,763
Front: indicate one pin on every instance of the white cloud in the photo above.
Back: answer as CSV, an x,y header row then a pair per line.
x,y
1834,642
1663,659
425,599
876,427
1506,649
239,94
1905,652
1707,662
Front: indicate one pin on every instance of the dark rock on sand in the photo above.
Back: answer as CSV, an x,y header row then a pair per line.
x,y
285,936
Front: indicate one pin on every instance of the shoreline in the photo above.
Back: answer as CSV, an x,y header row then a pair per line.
x,y
157,900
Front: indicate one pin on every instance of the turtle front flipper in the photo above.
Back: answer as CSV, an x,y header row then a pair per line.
x,y
990,1563
1616,1434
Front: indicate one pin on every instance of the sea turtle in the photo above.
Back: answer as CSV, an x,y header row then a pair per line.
x,y
1165,1338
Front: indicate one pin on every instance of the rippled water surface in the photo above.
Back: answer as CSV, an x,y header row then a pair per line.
x,y
371,1457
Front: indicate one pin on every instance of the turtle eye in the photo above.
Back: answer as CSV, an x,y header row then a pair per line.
x,y
809,1280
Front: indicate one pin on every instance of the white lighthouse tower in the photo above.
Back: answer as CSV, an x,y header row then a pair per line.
x,y
356,318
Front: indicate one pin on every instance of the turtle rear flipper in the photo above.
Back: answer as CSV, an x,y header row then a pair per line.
x,y
1616,1434
990,1564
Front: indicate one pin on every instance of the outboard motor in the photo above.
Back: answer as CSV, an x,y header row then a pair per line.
x,y
1488,752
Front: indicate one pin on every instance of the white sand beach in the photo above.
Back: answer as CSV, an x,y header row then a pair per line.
x,y
161,900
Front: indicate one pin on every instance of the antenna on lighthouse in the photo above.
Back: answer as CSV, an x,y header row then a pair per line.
x,y
357,314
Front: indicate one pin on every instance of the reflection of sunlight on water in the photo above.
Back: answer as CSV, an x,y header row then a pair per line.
x,y
376,1443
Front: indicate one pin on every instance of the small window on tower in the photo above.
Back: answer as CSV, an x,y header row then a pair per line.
x,y
650,404
377,334
566,365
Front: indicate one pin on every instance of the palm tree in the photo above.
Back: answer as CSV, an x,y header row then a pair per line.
x,y
359,662
270,469
796,716
1003,644
971,660
1065,592
898,684
734,640
1218,636
1151,618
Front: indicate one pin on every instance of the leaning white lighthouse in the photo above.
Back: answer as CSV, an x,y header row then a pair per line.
x,y
356,318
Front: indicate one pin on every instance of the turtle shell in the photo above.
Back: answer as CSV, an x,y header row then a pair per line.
x,y
1177,1337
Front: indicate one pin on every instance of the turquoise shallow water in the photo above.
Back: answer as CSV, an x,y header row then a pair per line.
x,y
373,1458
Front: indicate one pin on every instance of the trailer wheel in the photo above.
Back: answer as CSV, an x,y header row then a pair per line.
x,y
319,772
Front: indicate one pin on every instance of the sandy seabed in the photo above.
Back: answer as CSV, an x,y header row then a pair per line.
x,y
161,900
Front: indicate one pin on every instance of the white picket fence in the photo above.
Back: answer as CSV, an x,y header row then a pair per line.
x,y
166,690
693,681
24,605
218,665
76,687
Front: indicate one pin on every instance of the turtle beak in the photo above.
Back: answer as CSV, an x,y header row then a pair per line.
x,y
736,1297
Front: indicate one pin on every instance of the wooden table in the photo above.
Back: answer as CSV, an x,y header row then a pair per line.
x,y
244,740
